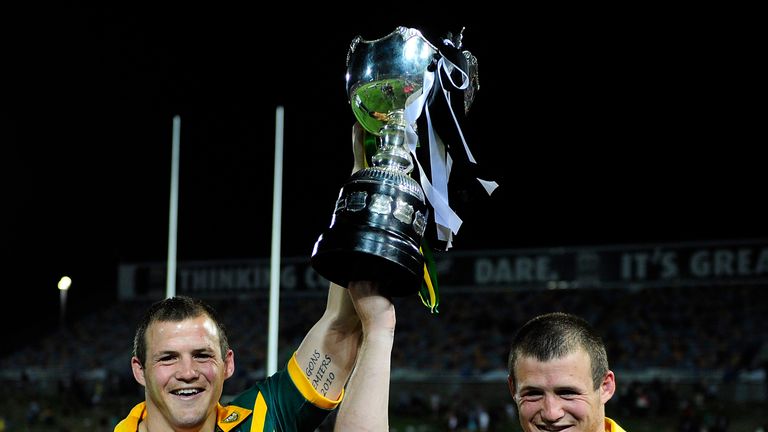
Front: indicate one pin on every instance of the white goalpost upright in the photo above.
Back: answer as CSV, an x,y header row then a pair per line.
x,y
274,261
173,213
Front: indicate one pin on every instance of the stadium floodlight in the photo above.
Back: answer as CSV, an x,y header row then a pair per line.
x,y
64,283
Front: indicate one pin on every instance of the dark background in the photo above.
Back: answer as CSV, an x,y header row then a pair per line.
x,y
602,128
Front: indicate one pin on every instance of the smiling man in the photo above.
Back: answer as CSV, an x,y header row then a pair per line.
x,y
182,357
559,376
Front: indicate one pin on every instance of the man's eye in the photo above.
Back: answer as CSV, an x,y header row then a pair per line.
x,y
531,396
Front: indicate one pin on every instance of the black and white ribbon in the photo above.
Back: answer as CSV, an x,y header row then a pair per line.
x,y
446,220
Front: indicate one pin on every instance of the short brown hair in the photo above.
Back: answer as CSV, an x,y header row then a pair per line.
x,y
175,309
555,335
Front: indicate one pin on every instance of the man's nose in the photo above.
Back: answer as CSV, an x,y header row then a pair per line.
x,y
187,370
552,408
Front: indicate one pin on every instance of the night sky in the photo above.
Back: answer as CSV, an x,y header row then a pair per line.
x,y
598,130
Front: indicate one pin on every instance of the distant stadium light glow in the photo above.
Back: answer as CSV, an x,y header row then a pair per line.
x,y
64,283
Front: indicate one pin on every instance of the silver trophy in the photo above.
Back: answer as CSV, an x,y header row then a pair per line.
x,y
381,213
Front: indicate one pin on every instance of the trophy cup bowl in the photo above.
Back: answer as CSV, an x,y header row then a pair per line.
x,y
381,212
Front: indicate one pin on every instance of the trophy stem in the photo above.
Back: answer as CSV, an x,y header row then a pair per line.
x,y
393,152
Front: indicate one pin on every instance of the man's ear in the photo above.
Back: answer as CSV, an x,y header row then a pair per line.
x,y
138,371
229,361
607,387
511,385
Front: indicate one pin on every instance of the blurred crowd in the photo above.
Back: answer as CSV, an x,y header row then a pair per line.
x,y
691,331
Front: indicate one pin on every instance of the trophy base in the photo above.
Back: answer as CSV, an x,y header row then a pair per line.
x,y
375,233
369,254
